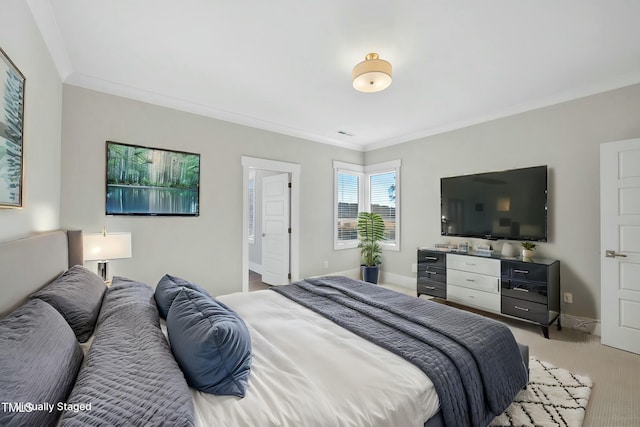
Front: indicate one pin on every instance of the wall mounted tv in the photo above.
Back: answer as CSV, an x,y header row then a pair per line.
x,y
510,205
151,181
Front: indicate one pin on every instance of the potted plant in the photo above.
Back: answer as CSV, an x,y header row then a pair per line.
x,y
527,249
370,234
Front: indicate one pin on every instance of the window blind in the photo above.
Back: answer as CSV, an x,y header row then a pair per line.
x,y
348,193
383,200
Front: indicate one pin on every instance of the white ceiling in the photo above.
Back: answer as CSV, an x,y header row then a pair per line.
x,y
285,65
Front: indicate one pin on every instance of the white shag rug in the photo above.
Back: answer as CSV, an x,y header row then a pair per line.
x,y
553,397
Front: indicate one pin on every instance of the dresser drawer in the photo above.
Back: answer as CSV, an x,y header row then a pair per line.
x,y
473,264
530,291
483,300
524,271
435,289
432,273
432,258
525,309
476,281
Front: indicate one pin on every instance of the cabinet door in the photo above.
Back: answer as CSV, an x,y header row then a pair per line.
x,y
524,271
525,309
486,301
429,287
431,258
474,264
432,273
479,282
536,292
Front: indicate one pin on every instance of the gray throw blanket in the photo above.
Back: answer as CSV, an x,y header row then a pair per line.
x,y
474,362
129,376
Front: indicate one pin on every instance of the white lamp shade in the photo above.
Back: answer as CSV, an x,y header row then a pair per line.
x,y
98,246
371,75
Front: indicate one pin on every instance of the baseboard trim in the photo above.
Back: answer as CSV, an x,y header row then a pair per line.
x,y
398,280
255,267
584,324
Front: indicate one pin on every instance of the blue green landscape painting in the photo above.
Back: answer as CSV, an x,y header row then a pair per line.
x,y
11,125
151,181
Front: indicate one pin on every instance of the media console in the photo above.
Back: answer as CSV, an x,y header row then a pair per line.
x,y
527,289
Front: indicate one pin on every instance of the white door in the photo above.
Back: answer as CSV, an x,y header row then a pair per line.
x,y
275,229
620,244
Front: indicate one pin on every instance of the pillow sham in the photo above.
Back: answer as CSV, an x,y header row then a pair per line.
x,y
77,294
210,342
40,359
168,288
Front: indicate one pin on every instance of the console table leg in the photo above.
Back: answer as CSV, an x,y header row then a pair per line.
x,y
545,331
559,325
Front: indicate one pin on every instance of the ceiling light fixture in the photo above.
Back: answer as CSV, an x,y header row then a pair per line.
x,y
371,75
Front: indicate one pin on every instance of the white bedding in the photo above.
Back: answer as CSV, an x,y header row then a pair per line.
x,y
308,371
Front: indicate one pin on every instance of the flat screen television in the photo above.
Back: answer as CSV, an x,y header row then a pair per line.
x,y
151,181
510,205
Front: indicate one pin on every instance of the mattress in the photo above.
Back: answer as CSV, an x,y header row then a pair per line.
x,y
309,371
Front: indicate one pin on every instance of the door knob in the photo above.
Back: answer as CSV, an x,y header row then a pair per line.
x,y
613,254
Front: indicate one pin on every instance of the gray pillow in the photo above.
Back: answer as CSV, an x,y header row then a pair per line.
x,y
39,362
77,295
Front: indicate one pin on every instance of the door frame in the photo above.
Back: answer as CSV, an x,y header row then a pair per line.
x,y
293,169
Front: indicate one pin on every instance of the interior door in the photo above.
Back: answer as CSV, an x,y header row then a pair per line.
x,y
275,229
620,244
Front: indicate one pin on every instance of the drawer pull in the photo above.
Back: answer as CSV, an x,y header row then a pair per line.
x,y
432,258
431,272
431,288
521,271
521,289
520,308
470,280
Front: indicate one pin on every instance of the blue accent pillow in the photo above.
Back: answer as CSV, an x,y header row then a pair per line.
x,y
168,289
210,342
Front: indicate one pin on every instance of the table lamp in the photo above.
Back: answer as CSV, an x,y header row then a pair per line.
x,y
104,246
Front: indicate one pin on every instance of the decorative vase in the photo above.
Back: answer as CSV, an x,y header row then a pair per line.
x,y
527,253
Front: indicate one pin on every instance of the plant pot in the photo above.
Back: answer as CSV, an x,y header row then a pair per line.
x,y
526,254
370,274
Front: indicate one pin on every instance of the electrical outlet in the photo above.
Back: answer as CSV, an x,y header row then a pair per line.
x,y
568,297
326,264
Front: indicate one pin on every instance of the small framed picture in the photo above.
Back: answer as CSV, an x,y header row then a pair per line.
x,y
11,127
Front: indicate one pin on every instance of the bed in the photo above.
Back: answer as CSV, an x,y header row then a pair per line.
x,y
322,352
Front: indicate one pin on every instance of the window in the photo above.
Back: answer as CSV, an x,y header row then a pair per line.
x,y
348,202
373,188
383,200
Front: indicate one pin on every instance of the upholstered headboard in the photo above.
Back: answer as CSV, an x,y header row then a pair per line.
x,y
28,264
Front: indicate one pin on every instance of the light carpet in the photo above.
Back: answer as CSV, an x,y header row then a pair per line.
x,y
553,397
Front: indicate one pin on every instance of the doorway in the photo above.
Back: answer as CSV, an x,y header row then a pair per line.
x,y
251,166
620,240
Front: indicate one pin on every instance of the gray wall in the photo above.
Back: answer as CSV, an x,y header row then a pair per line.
x,y
566,137
206,249
22,42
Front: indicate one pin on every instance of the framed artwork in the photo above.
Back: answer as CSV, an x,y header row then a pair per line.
x,y
11,126
151,181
